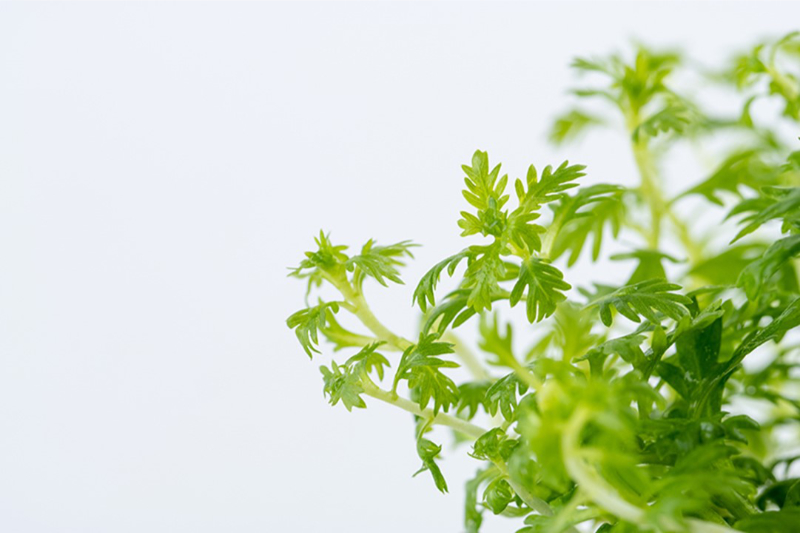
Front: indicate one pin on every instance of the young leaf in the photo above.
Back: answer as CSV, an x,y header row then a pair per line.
x,y
570,125
424,293
307,322
485,193
421,368
755,276
341,383
502,395
379,262
784,204
586,214
549,188
545,285
643,299
368,360
428,451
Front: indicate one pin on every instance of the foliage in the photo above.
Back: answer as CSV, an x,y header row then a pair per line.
x,y
599,424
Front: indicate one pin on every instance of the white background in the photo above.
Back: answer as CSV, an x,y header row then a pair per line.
x,y
160,167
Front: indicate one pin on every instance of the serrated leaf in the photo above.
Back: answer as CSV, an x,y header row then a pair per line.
x,y
428,451
421,368
756,275
587,214
549,188
502,395
424,293
307,322
368,360
543,284
785,204
571,124
379,262
342,384
644,299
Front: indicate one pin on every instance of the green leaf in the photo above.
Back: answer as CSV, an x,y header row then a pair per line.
x,y
453,310
471,395
379,262
428,451
502,395
784,204
494,445
551,187
473,517
676,378
524,234
742,168
342,337
342,383
674,117
495,342
484,192
571,124
650,264
698,350
368,360
424,293
771,522
757,274
484,271
498,495
726,267
587,214
421,368
627,347
788,319
328,258
307,322
545,285
646,299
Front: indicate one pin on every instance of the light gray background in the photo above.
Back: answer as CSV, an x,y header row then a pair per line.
x,y
160,167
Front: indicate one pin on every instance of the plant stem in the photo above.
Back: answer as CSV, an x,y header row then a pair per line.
x,y
651,191
462,426
357,305
590,483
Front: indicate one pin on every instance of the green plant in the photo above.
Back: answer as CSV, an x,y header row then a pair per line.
x,y
627,412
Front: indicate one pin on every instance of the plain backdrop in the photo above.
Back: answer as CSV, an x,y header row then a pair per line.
x,y
162,164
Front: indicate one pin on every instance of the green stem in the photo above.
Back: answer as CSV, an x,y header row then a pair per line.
x,y
357,305
462,426
589,481
650,190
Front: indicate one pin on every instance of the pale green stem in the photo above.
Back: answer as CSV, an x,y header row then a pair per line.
x,y
357,305
442,419
589,481
462,426
659,207
650,191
